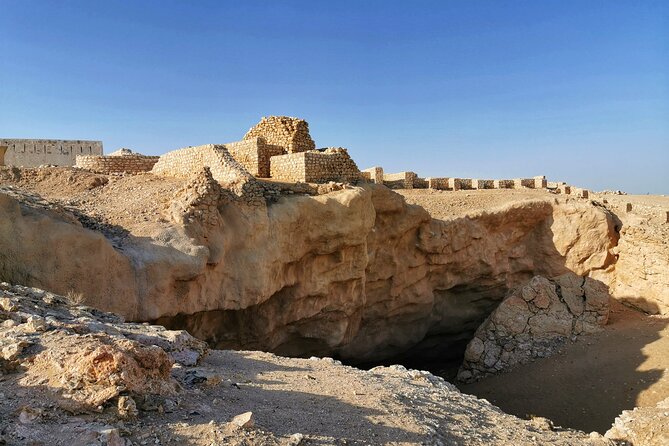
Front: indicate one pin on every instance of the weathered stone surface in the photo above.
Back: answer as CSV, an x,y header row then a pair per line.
x,y
290,133
315,166
121,161
640,277
535,321
356,272
647,426
254,154
184,163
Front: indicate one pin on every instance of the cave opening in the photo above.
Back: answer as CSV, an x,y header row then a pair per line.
x,y
584,387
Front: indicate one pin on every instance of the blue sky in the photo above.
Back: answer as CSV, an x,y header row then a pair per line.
x,y
575,90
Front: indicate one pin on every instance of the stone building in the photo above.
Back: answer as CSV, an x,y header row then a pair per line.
x,y
315,166
254,154
290,133
38,152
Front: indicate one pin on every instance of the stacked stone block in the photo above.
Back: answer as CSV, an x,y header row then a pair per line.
x,y
375,174
454,183
502,184
482,184
437,183
420,183
132,164
290,133
315,166
563,188
184,163
540,182
400,180
254,154
582,193
521,183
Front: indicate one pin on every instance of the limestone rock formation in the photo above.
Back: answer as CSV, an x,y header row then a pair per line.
x,y
83,356
356,273
640,277
535,321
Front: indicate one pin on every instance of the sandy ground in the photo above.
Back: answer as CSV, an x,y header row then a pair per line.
x,y
595,379
448,204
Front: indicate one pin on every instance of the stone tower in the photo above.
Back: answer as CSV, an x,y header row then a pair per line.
x,y
290,133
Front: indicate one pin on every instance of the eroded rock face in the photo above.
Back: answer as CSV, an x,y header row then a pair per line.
x,y
640,276
535,321
356,273
643,426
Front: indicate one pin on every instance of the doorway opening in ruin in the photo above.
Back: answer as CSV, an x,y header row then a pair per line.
x,y
3,150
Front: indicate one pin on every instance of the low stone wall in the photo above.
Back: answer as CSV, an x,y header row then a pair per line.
x,y
502,184
582,193
420,183
290,133
375,174
254,154
459,183
520,183
315,166
400,180
440,183
185,163
132,164
482,184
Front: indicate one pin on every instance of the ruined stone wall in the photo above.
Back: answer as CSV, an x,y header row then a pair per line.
x,y
502,184
520,183
116,164
316,166
38,152
254,154
420,183
482,184
439,183
375,174
290,133
400,180
183,163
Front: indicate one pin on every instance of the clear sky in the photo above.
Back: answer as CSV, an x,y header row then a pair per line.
x,y
575,90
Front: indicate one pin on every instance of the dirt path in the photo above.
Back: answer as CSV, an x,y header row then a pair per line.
x,y
595,379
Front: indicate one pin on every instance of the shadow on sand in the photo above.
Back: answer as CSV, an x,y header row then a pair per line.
x,y
593,380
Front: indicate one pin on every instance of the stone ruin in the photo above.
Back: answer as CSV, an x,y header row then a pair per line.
x,y
39,152
280,148
190,163
292,134
255,154
121,161
315,166
411,180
